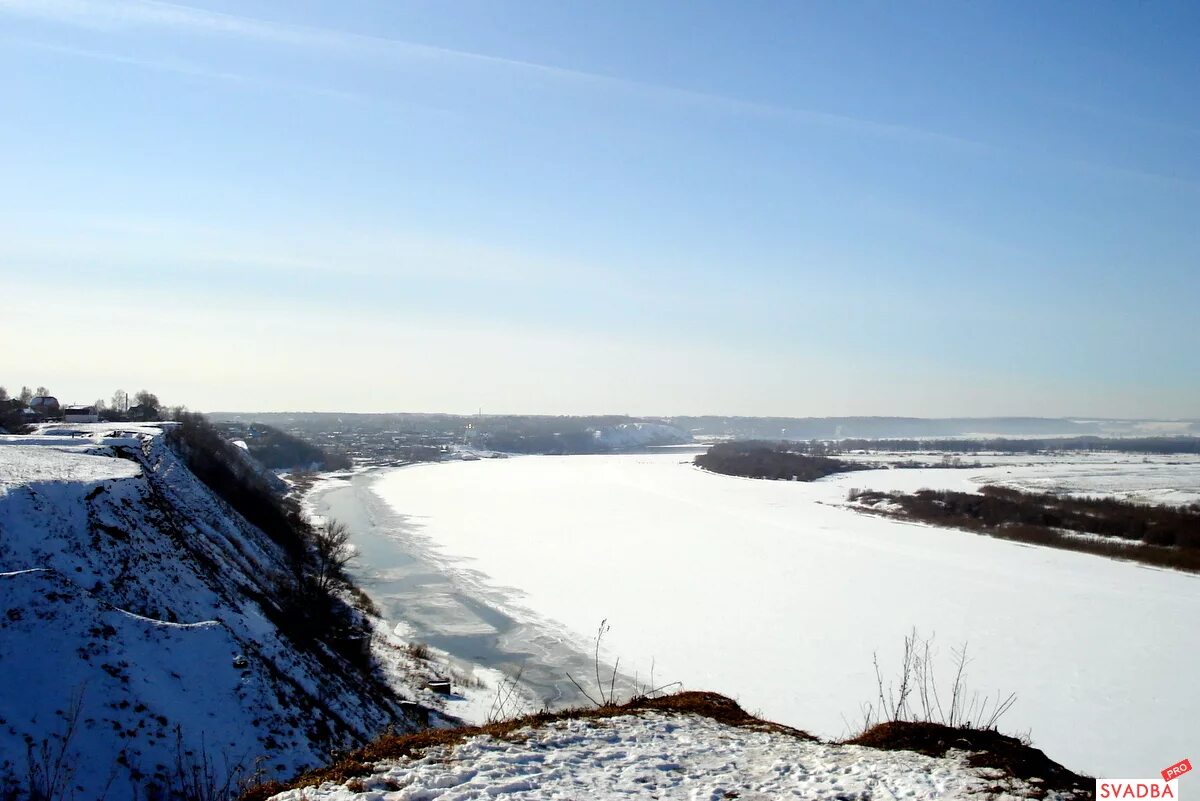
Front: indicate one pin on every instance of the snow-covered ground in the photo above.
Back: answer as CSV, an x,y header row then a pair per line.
x,y
777,594
132,638
658,755
1144,478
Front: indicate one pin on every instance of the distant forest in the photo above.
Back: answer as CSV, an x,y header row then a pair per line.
x,y
1164,536
276,450
770,460
830,428
567,433
840,428
548,434
531,425
1105,444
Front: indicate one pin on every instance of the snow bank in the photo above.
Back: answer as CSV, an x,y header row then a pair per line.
x,y
657,755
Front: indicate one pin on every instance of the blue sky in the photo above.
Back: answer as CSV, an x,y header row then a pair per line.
x,y
754,208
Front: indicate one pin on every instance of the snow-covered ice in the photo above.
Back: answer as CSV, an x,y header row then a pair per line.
x,y
778,594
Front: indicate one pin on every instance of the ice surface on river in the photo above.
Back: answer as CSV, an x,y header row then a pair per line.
x,y
776,594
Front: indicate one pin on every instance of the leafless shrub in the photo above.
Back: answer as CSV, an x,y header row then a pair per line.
x,y
418,650
50,765
198,777
651,689
508,703
608,694
917,697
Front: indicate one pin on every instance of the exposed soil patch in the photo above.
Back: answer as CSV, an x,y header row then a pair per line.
x,y
989,749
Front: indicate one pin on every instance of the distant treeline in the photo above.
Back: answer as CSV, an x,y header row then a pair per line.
x,y
513,425
548,442
805,428
313,423
773,460
1164,536
1107,444
550,435
276,450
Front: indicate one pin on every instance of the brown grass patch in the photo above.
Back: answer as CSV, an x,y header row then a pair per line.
x,y
396,746
989,749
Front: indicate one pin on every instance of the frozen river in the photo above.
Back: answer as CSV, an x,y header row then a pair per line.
x,y
775,594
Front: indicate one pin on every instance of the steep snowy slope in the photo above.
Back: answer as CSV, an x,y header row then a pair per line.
x,y
139,627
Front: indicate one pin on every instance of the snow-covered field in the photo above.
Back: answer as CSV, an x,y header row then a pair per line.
x,y
1149,478
778,595
664,756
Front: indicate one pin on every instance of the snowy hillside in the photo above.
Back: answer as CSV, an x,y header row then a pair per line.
x,y
624,436
138,629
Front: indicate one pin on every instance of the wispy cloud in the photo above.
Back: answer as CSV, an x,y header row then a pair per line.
x,y
110,14
132,14
180,67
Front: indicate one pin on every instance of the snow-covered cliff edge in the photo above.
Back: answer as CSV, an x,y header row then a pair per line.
x,y
139,628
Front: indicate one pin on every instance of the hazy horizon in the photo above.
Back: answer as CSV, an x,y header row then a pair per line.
x,y
763,209
653,416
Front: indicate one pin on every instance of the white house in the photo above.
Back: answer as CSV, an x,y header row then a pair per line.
x,y
81,414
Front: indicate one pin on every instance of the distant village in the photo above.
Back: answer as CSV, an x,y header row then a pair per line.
x,y
30,407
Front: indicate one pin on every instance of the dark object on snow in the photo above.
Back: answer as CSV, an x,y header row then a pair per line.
x,y
781,461
142,413
46,407
439,686
415,712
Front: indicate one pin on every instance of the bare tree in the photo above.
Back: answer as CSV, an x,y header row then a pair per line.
x,y
41,391
147,399
3,394
26,396
332,552
120,401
